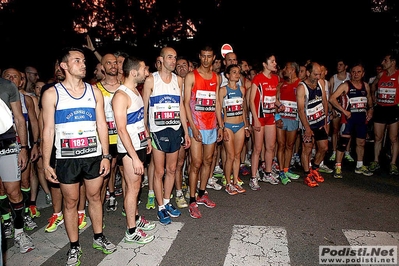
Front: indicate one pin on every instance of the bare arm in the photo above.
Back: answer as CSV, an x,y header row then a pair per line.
x,y
183,116
188,86
20,125
102,129
147,90
370,104
48,112
343,88
34,126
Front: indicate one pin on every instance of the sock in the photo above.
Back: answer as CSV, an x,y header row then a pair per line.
x,y
26,197
338,165
286,169
346,152
201,193
359,164
166,201
137,217
322,163
179,192
151,193
18,209
74,244
192,199
161,207
97,236
60,213
132,230
81,211
315,166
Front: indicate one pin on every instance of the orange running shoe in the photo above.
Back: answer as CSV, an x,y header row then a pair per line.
x,y
316,175
309,181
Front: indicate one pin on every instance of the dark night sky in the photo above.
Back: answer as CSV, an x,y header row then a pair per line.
x,y
294,30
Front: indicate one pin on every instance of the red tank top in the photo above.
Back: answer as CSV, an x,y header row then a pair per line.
x,y
388,88
203,101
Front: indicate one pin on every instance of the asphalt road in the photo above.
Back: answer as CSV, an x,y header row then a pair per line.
x,y
293,218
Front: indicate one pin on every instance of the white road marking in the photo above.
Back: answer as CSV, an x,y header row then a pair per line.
x,y
148,254
46,245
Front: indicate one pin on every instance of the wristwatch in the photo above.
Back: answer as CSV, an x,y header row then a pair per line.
x,y
107,156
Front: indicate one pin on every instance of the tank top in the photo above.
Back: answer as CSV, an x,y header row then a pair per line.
x,y
314,106
203,101
233,102
75,124
387,92
134,122
265,97
109,113
288,99
164,104
357,99
338,81
224,81
26,117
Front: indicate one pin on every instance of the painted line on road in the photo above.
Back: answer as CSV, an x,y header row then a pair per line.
x,y
148,254
46,245
257,245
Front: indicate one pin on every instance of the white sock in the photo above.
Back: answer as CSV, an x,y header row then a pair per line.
x,y
161,207
150,192
165,201
359,164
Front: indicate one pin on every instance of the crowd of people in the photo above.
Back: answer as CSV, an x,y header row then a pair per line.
x,y
180,129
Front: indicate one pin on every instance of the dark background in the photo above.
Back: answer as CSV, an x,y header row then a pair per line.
x,y
325,31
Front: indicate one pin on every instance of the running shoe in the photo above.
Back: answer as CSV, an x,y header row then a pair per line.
x,y
393,169
204,200
143,224
291,175
325,169
270,179
24,242
316,175
33,212
112,204
173,212
284,179
74,256
29,224
194,211
123,211
218,171
333,157
374,166
150,202
181,202
230,189
118,191
164,217
54,222
244,170
82,220
338,172
247,162
8,229
49,200
138,237
213,184
240,182
239,188
348,157
253,183
363,170
104,245
309,181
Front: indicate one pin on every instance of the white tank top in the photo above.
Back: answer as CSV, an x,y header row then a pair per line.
x,y
164,104
134,122
75,124
338,81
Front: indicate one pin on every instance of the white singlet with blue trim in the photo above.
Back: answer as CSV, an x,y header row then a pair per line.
x,y
164,104
135,122
76,133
